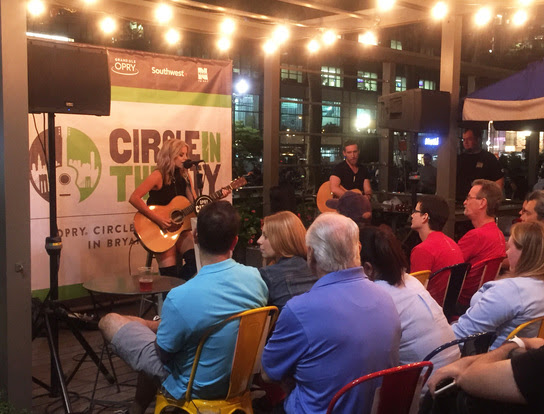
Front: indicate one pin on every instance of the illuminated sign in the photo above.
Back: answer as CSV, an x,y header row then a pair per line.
x,y
432,141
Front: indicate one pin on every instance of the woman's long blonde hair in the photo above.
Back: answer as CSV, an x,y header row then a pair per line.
x,y
165,158
529,238
286,234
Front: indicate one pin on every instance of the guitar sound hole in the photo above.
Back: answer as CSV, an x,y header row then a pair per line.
x,y
177,217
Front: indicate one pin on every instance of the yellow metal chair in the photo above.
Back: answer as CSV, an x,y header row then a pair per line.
x,y
422,276
255,324
521,327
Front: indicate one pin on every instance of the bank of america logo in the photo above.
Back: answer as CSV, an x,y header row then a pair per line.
x,y
203,74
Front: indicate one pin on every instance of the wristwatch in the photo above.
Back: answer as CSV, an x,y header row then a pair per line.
x,y
517,341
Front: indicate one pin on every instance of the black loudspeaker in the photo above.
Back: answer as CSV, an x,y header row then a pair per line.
x,y
415,110
67,78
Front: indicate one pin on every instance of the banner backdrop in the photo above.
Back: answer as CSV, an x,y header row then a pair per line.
x,y
100,160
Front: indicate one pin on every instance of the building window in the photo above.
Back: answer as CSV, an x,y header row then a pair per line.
x,y
396,44
427,84
366,81
400,84
292,74
291,115
330,114
246,109
331,76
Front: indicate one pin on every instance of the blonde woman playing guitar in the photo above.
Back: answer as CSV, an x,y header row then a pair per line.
x,y
168,180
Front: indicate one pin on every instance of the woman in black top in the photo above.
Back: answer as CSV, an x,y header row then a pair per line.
x,y
167,181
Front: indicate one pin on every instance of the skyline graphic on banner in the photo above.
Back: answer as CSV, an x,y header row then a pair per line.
x,y
78,165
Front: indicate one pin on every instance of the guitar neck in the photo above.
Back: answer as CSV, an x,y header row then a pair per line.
x,y
219,193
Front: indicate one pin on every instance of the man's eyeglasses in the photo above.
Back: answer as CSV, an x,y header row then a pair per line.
x,y
416,211
472,198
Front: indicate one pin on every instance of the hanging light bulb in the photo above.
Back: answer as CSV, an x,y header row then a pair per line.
x,y
385,5
163,13
482,16
329,37
281,34
440,10
172,36
270,46
227,26
35,7
108,25
224,44
313,46
519,18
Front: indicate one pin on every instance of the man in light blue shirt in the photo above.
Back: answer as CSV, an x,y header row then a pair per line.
x,y
343,328
163,352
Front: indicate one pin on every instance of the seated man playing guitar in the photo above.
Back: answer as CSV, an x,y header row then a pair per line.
x,y
349,174
168,180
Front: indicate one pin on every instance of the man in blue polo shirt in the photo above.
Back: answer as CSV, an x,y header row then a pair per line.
x,y
163,352
343,328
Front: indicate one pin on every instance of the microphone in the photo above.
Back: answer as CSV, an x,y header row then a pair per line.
x,y
190,163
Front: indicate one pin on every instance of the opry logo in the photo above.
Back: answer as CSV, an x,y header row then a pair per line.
x,y
123,66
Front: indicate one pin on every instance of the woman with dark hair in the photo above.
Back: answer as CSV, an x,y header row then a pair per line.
x,y
283,246
502,305
423,324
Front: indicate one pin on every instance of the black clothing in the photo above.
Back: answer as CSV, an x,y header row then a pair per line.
x,y
528,368
178,187
473,166
348,179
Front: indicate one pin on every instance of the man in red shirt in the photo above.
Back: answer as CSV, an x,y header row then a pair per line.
x,y
436,250
485,241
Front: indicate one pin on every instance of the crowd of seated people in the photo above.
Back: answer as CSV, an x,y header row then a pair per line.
x,y
502,305
348,305
423,324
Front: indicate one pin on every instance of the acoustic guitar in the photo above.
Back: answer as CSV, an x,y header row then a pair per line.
x,y
324,193
180,210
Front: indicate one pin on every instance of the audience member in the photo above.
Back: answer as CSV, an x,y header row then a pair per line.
x,y
475,163
163,351
353,205
427,176
533,207
436,250
423,324
539,185
283,246
502,305
506,380
349,174
343,328
485,241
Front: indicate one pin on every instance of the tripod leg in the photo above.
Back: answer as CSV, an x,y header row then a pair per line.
x,y
58,367
90,351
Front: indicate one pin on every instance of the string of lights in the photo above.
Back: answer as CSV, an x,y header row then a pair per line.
x,y
280,33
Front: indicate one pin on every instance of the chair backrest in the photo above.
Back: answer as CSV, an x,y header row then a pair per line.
x,y
457,275
422,276
480,272
491,269
537,321
400,389
473,345
255,325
